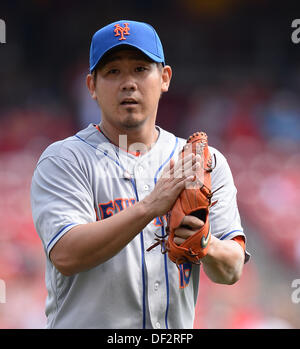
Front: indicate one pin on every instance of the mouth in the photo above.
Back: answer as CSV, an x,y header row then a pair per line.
x,y
129,102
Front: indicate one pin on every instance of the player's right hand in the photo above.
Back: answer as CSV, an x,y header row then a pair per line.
x,y
172,181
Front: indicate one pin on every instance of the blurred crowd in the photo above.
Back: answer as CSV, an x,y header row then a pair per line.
x,y
237,90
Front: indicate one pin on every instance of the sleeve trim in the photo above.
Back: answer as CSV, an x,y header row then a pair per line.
x,y
247,254
60,232
231,232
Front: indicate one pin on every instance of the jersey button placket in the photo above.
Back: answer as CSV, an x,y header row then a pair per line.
x,y
142,186
140,169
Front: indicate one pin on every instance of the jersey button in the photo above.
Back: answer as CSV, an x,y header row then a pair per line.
x,y
156,286
157,325
146,187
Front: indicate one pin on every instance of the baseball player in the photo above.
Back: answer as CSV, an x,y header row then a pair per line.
x,y
101,196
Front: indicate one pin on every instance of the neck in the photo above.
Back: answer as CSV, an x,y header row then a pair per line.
x,y
138,139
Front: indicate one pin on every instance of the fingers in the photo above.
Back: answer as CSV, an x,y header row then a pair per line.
x,y
183,164
192,222
185,167
168,169
172,163
187,172
181,183
181,234
187,161
188,227
178,241
174,178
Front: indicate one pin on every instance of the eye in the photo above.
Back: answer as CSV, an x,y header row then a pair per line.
x,y
140,68
113,71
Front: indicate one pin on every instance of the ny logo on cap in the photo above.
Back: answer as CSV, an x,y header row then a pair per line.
x,y
121,31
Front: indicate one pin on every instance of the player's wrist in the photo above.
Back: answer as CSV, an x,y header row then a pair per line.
x,y
148,208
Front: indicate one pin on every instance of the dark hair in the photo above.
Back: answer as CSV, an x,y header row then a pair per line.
x,y
94,74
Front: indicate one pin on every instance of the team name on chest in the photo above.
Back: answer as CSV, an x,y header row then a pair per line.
x,y
112,207
107,209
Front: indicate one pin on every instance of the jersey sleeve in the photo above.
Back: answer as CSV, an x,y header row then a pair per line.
x,y
61,197
224,216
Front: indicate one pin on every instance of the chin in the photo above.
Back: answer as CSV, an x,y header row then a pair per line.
x,y
132,121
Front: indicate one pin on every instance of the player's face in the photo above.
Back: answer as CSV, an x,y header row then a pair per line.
x,y
128,87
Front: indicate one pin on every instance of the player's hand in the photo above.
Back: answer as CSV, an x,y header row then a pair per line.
x,y
189,226
173,180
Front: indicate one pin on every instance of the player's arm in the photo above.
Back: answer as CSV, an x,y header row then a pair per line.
x,y
88,245
224,261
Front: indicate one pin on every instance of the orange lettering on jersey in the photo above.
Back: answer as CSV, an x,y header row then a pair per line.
x,y
131,202
185,271
108,209
121,31
119,204
159,221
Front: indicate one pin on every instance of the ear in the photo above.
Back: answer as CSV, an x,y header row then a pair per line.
x,y
166,78
90,83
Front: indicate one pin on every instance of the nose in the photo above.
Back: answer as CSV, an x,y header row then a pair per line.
x,y
128,84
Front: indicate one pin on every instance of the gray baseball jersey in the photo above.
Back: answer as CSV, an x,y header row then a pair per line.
x,y
85,178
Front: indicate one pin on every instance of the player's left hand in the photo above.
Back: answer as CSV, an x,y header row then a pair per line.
x,y
189,226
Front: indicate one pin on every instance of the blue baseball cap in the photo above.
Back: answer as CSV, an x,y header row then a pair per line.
x,y
136,34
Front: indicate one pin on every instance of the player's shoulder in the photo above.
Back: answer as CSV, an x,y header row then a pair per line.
x,y
60,149
67,148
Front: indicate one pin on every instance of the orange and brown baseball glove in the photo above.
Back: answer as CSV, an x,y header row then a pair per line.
x,y
194,200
